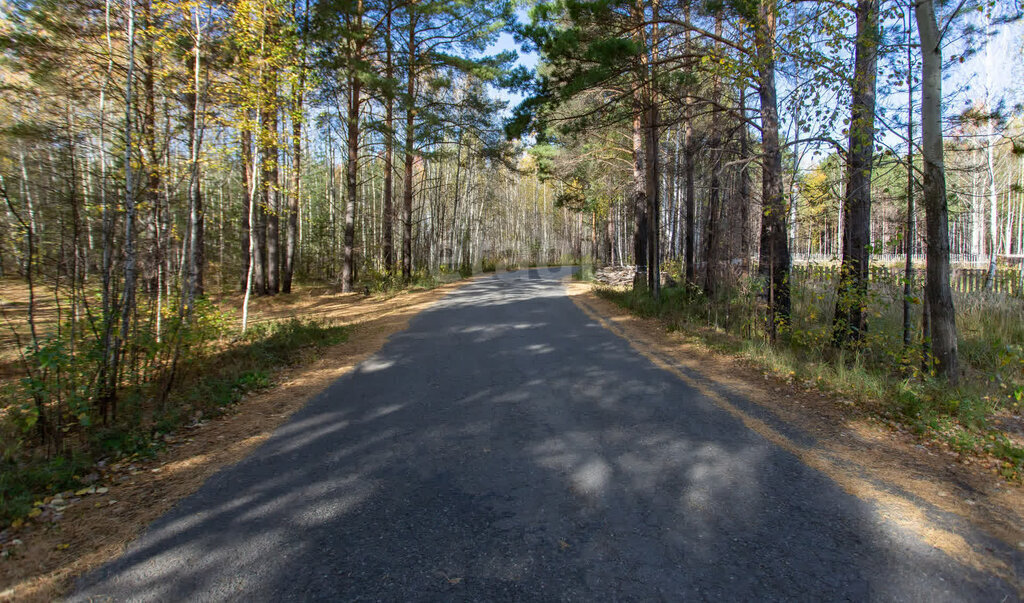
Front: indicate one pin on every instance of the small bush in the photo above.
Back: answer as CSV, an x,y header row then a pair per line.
x,y
377,281
585,273
23,483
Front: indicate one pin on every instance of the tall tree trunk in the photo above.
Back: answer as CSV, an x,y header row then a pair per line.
x,y
351,185
104,379
196,214
993,207
455,201
245,139
271,189
639,199
653,176
609,236
690,202
148,125
652,193
410,133
673,189
250,188
941,313
128,296
713,238
774,261
292,223
990,142
389,150
259,214
850,319
911,234
744,184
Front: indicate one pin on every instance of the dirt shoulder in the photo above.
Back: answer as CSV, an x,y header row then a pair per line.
x,y
907,481
100,525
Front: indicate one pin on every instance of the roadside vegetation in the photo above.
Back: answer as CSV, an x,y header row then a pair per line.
x,y
981,415
176,373
51,435
166,165
172,170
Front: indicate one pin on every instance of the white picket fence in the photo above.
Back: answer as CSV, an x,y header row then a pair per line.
x,y
884,259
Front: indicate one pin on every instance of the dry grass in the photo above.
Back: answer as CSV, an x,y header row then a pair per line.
x,y
14,325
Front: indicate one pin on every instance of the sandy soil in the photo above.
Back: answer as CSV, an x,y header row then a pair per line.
x,y
99,526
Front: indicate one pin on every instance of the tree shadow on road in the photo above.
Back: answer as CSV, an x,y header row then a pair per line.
x,y
506,446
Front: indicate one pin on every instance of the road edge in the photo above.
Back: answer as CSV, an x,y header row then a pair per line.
x,y
887,503
156,486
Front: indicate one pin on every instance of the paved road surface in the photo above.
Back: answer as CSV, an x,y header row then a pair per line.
x,y
506,446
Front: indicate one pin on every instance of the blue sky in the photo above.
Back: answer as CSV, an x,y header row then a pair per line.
x,y
1007,68
525,59
964,83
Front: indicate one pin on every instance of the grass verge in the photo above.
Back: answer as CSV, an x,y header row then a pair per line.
x,y
969,419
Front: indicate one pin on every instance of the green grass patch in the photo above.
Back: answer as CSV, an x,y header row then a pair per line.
x,y
21,485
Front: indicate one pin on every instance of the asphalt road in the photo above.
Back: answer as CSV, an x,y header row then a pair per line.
x,y
506,446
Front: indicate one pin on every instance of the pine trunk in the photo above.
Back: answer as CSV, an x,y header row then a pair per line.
x,y
639,200
271,192
939,296
850,320
410,132
774,260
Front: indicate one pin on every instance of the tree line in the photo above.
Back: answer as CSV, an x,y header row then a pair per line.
x,y
661,116
160,155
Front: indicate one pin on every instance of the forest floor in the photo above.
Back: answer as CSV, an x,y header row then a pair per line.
x,y
134,493
14,325
869,456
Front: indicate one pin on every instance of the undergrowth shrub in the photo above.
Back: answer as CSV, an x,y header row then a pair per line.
x,y
212,374
378,281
